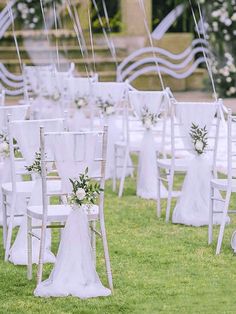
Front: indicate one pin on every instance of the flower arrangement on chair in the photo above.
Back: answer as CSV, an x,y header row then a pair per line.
x,y
148,118
4,145
199,138
84,192
107,107
80,101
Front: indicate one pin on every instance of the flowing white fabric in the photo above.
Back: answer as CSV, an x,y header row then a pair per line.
x,y
147,168
27,135
46,108
72,155
18,252
74,272
192,207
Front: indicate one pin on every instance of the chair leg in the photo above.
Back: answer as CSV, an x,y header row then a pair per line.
x,y
158,193
41,252
123,173
106,255
169,199
4,219
211,210
9,229
222,225
93,241
114,170
29,248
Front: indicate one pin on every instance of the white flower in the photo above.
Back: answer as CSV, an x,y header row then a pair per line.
x,y
80,194
228,79
81,102
110,110
227,37
147,123
228,22
233,17
215,26
232,90
216,13
199,145
4,147
56,96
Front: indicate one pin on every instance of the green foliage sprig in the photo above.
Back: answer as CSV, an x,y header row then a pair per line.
x,y
199,138
4,145
36,165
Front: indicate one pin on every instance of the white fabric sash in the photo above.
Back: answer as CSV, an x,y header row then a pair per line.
x,y
192,207
147,167
74,272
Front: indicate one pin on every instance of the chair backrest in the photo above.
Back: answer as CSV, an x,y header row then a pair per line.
x,y
35,80
106,90
16,112
156,102
24,142
72,153
202,114
81,86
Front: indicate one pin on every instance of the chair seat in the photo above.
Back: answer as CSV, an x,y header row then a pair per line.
x,y
180,164
222,184
25,188
59,213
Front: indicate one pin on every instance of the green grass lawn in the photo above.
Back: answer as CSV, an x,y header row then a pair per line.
x,y
157,268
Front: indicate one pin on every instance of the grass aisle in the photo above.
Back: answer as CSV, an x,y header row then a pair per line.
x,y
157,268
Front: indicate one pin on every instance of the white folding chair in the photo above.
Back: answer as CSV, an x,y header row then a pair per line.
x,y
34,79
73,152
114,92
227,186
133,130
179,160
26,135
80,88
